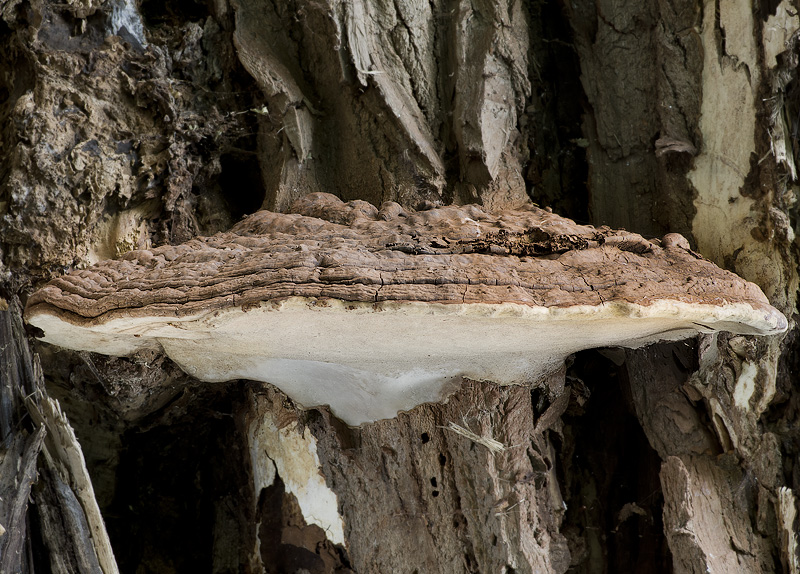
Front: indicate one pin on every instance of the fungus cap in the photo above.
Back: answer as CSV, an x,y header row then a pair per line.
x,y
376,311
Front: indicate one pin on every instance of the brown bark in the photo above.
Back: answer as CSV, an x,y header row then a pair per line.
x,y
441,501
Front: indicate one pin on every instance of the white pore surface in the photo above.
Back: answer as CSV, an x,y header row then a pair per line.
x,y
369,361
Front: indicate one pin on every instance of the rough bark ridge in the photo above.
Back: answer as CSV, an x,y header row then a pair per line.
x,y
133,126
404,101
640,69
717,94
441,500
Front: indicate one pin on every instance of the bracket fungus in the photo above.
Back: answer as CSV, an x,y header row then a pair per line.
x,y
373,311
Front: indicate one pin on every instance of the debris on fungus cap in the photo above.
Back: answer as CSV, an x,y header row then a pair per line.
x,y
373,311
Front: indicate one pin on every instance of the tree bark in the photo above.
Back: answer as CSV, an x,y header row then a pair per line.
x,y
128,125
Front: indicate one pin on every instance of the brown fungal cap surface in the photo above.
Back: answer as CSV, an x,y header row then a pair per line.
x,y
393,304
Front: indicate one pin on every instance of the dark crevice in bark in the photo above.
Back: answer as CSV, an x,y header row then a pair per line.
x,y
611,477
240,176
174,484
785,408
557,169
157,14
16,59
446,33
287,543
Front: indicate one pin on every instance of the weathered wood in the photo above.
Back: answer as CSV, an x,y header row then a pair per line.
x,y
71,494
19,442
721,500
17,473
64,528
71,526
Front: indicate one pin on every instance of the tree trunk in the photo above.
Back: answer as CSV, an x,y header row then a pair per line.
x,y
128,125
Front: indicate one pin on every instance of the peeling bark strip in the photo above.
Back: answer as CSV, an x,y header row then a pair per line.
x,y
376,311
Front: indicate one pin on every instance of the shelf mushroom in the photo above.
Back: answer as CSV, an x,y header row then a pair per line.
x,y
376,311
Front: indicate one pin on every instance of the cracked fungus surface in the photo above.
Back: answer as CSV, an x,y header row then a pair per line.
x,y
374,311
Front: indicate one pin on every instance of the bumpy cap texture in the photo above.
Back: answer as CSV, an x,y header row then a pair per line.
x,y
356,252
